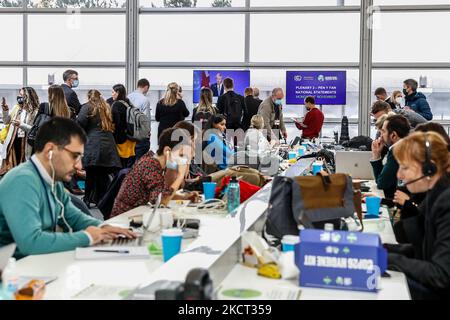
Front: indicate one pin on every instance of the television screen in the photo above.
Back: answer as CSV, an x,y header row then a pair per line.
x,y
328,87
214,80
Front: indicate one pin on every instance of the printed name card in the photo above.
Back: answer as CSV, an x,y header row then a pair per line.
x,y
340,260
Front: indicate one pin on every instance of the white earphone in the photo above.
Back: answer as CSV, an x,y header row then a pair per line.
x,y
50,155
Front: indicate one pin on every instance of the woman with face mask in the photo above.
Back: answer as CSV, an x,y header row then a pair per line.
x,y
18,123
424,167
397,99
216,152
146,181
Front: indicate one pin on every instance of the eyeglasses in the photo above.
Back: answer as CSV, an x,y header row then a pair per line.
x,y
76,156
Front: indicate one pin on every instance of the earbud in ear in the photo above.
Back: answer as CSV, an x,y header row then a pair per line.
x,y
50,155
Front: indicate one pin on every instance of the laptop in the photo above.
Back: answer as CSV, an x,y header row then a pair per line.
x,y
355,163
6,252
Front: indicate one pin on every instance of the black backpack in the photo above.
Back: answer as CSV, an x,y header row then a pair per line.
x,y
233,110
40,119
203,117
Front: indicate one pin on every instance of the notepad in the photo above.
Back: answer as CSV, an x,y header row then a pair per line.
x,y
132,253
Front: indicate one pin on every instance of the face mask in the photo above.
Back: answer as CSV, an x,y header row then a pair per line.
x,y
405,92
20,100
75,83
398,100
278,102
171,165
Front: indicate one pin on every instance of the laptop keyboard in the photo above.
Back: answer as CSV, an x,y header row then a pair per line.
x,y
121,242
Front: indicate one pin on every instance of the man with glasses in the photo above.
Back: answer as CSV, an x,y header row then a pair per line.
x,y
34,206
70,78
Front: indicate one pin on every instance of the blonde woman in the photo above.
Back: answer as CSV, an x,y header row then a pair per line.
x,y
100,153
57,105
205,108
170,109
19,122
255,140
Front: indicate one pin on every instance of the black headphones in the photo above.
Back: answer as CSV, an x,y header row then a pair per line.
x,y
429,169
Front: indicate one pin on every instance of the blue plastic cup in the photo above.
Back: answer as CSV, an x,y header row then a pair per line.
x,y
292,155
81,184
317,167
288,243
305,144
171,242
209,190
373,206
301,151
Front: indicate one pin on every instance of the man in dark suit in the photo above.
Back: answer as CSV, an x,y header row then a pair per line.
x,y
252,106
218,88
70,78
232,106
256,95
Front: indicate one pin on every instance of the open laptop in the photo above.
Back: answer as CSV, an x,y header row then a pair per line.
x,y
355,163
6,252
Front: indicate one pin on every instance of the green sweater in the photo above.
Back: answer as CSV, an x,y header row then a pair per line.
x,y
386,176
28,212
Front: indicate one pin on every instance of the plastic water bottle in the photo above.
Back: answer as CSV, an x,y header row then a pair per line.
x,y
233,195
10,277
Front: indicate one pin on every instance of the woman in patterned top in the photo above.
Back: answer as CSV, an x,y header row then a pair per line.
x,y
145,181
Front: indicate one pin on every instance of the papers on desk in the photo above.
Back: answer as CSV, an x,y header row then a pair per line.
x,y
102,292
259,293
113,252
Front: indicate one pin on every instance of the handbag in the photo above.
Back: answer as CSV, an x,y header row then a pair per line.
x,y
246,173
38,122
310,202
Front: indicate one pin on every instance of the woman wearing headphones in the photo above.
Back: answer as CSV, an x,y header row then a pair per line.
x,y
424,166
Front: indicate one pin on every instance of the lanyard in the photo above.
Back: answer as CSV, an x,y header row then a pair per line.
x,y
48,199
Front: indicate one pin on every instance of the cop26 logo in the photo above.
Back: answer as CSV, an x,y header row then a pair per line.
x,y
321,78
298,78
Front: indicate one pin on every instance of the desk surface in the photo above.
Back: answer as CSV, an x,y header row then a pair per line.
x,y
217,234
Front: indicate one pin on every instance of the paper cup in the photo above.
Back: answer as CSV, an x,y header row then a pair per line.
x,y
317,167
209,190
292,155
373,206
171,242
301,151
288,243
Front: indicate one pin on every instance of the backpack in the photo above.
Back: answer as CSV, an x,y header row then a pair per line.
x,y
40,119
203,117
233,110
138,124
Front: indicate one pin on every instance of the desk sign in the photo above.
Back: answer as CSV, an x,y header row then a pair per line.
x,y
340,260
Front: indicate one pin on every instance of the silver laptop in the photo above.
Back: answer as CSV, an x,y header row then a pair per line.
x,y
355,163
6,252
133,242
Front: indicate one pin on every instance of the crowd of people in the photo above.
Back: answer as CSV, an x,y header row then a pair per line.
x,y
47,145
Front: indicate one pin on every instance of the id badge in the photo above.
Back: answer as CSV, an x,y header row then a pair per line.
x,y
276,122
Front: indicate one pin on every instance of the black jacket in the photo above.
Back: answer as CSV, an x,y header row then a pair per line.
x,y
429,234
252,106
222,105
168,116
72,100
119,114
100,149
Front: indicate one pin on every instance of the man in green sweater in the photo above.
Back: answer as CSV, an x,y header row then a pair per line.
x,y
394,128
34,207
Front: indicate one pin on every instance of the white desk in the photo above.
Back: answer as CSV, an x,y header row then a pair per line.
x,y
216,249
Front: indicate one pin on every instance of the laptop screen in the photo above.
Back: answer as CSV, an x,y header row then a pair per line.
x,y
6,252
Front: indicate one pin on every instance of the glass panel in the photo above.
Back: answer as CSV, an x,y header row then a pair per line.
x,y
192,37
391,44
10,83
409,2
436,86
77,4
11,36
76,37
293,3
334,37
10,3
101,79
191,3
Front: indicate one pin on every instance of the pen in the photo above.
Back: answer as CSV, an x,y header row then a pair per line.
x,y
113,251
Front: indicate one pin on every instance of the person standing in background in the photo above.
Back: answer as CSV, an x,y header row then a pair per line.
x,y
70,78
100,153
416,101
256,95
313,122
252,106
125,147
171,109
271,110
139,99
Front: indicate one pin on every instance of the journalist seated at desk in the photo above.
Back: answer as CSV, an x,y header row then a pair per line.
x,y
35,211
424,161
146,179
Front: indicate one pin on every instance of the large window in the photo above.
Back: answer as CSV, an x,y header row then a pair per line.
x,y
292,3
76,37
191,3
11,36
77,4
192,37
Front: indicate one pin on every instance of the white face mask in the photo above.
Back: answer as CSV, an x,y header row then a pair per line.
x,y
399,100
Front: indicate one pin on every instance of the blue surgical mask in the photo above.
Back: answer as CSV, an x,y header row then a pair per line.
x,y
278,102
171,165
75,83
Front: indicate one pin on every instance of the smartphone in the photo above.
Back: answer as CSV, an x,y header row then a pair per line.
x,y
3,101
